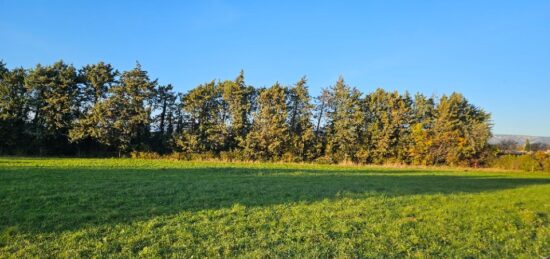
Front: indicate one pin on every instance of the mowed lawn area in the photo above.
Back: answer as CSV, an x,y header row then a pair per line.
x,y
159,208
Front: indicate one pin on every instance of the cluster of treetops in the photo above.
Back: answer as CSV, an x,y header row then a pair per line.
x,y
508,145
98,111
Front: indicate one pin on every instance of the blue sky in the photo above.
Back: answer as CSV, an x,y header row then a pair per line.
x,y
497,53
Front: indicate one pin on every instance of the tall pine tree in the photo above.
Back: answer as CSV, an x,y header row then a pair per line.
x,y
239,99
53,98
268,138
206,130
345,120
13,110
302,137
123,119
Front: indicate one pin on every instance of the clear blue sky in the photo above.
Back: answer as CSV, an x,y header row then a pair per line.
x,y
497,53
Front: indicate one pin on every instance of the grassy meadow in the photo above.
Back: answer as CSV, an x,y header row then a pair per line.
x,y
159,208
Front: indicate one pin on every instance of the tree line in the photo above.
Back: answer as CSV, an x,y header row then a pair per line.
x,y
510,145
97,110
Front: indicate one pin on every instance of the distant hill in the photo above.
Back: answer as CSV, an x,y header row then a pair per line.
x,y
520,139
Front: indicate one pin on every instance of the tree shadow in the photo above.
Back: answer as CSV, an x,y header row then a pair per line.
x,y
43,200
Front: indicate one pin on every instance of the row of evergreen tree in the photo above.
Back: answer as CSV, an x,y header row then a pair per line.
x,y
96,110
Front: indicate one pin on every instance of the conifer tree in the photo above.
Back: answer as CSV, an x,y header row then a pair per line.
x,y
345,120
527,145
3,69
165,100
53,97
96,80
206,131
320,119
320,110
447,124
179,115
403,118
268,138
13,109
378,118
461,131
300,125
239,99
45,107
422,130
123,119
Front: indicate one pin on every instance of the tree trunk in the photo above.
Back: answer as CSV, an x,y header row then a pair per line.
x,y
162,117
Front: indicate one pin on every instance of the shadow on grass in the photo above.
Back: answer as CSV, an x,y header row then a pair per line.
x,y
41,200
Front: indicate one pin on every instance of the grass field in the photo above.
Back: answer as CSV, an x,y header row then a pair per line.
x,y
129,208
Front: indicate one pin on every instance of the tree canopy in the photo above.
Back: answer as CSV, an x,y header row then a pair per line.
x,y
98,111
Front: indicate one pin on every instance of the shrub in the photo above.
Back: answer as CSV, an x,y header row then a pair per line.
x,y
176,156
227,156
324,160
290,157
145,155
230,156
546,163
202,156
523,162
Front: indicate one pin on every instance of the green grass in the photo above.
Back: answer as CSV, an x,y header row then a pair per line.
x,y
146,208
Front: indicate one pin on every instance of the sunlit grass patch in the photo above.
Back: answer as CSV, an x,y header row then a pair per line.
x,y
151,208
